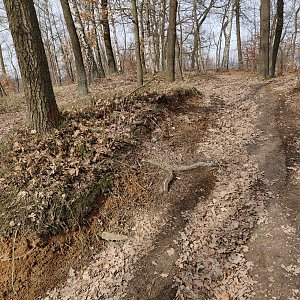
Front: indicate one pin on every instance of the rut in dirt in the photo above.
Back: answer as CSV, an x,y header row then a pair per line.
x,y
153,277
156,269
275,246
197,240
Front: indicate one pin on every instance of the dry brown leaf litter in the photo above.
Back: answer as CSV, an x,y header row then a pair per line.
x,y
51,183
212,262
111,270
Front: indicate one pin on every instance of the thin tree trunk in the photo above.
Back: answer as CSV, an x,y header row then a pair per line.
x,y
92,66
196,32
264,53
149,37
65,54
170,72
227,34
116,45
53,43
142,33
2,91
295,33
112,69
139,66
278,33
155,36
3,67
180,45
97,50
162,34
238,33
81,74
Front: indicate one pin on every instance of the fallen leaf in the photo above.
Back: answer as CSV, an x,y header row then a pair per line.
x,y
109,236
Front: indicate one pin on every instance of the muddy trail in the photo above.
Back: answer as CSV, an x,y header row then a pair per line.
x,y
225,230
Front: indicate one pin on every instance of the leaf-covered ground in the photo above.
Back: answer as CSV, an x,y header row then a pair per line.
x,y
50,184
229,231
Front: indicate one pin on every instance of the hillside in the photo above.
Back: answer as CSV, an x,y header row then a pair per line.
x,y
181,191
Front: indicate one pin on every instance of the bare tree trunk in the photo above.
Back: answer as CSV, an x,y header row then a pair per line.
x,y
278,33
227,34
219,42
3,67
264,53
116,45
155,36
23,22
295,33
97,50
81,74
2,91
65,54
149,37
53,44
142,33
49,44
92,66
139,66
170,71
238,33
12,62
112,69
180,45
196,33
162,35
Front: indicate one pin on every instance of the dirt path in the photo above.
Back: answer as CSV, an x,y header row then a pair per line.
x,y
275,244
224,232
205,240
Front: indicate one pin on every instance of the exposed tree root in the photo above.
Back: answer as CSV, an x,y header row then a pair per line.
x,y
172,169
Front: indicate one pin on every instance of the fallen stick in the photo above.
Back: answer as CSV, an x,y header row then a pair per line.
x,y
13,264
172,169
140,87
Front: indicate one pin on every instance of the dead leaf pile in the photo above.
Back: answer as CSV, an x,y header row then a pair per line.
x,y
53,182
111,271
212,263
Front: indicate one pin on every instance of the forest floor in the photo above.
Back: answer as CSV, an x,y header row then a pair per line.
x,y
226,230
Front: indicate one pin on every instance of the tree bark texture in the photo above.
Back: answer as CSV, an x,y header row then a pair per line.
x,y
112,68
3,67
170,71
227,35
277,38
81,74
264,52
97,46
42,107
238,33
295,33
139,65
94,73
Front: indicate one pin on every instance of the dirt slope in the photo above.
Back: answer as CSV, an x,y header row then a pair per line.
x,y
229,231
206,241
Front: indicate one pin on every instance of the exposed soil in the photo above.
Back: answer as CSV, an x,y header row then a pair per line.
x,y
230,231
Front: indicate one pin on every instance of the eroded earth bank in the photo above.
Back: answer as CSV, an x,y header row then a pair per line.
x,y
226,230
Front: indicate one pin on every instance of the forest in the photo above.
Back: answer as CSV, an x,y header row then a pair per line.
x,y
149,149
